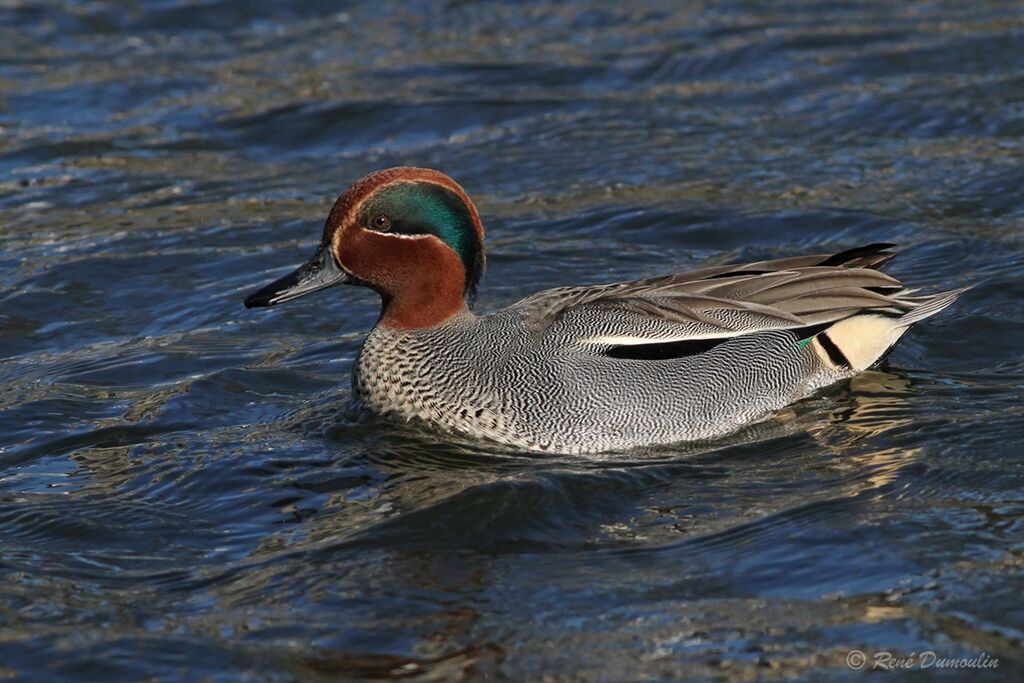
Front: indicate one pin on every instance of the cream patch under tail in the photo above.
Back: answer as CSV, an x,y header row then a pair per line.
x,y
858,342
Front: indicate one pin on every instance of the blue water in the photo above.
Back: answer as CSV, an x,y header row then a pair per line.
x,y
186,492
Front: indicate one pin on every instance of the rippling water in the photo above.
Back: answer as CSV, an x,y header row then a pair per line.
x,y
186,492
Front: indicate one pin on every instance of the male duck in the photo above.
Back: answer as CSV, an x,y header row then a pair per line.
x,y
594,368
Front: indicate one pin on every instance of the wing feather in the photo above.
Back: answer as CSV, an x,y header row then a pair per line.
x,y
719,301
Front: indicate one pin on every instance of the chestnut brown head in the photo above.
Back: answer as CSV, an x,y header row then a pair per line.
x,y
412,234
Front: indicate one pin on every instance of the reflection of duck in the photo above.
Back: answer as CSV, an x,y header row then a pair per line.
x,y
878,403
872,402
583,369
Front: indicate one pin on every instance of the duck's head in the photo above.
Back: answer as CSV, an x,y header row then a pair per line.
x,y
412,234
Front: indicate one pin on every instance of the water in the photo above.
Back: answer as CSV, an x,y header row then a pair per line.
x,y
186,493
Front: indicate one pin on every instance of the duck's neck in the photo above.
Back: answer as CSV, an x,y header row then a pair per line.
x,y
420,310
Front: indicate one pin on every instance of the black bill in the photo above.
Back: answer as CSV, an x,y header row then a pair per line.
x,y
320,272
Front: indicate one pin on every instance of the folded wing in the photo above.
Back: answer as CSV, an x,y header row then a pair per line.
x,y
689,312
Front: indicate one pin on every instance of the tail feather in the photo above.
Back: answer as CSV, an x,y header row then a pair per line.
x,y
868,256
860,341
930,306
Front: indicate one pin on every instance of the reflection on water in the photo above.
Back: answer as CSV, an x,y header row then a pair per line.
x,y
186,491
879,402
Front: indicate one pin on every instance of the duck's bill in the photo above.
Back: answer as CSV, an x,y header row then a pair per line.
x,y
320,272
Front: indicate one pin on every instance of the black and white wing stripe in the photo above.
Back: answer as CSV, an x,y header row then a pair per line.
x,y
696,309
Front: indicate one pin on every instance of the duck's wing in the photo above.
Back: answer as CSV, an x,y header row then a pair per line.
x,y
702,307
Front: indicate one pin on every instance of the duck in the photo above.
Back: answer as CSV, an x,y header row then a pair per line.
x,y
690,356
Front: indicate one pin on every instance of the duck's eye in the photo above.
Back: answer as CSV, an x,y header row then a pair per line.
x,y
380,222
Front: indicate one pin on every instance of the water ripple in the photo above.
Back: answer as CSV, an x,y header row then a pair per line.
x,y
187,491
